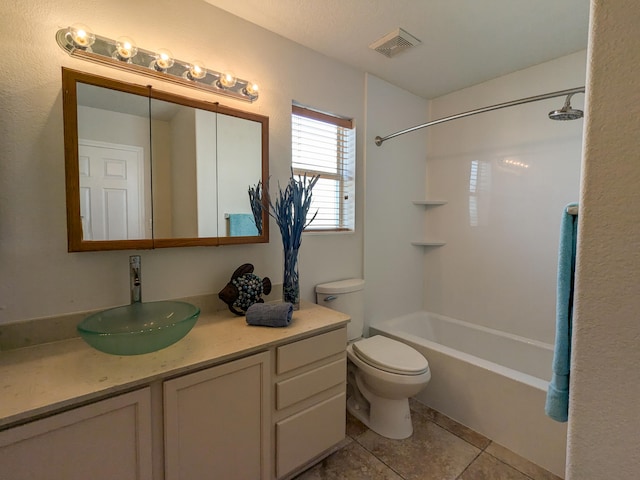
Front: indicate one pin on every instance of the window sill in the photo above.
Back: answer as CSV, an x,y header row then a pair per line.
x,y
328,232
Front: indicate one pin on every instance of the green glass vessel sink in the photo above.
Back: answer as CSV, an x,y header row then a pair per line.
x,y
138,328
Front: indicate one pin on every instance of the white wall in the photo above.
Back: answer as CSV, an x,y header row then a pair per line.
x,y
507,176
39,278
395,177
604,416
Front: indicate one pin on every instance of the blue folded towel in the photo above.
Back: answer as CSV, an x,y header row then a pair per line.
x,y
242,225
557,404
270,315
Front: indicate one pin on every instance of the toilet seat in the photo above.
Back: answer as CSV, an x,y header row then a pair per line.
x,y
390,356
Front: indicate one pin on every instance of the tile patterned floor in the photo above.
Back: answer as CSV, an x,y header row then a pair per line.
x,y
439,449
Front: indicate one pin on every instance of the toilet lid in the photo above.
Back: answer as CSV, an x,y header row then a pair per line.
x,y
390,355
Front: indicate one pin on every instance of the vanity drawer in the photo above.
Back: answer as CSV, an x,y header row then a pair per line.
x,y
311,383
303,436
304,352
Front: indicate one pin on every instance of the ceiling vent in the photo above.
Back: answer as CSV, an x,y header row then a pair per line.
x,y
394,42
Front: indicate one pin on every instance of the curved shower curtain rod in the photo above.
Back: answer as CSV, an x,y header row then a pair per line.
x,y
559,93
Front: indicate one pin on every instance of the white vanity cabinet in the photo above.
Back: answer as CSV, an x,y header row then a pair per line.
x,y
216,422
310,399
101,441
228,402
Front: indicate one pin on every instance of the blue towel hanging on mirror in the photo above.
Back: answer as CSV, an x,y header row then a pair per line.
x,y
242,225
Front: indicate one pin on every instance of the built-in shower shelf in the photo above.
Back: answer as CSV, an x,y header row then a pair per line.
x,y
428,243
429,203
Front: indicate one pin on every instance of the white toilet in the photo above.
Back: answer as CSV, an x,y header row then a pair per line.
x,y
382,373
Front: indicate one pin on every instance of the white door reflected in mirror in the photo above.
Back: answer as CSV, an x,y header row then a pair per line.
x,y
112,191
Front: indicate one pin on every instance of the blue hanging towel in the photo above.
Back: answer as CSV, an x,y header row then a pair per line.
x,y
242,225
557,404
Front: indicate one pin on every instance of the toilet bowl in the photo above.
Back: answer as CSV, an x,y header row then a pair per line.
x,y
382,373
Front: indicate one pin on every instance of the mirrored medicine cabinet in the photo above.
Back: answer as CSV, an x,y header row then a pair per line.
x,y
150,169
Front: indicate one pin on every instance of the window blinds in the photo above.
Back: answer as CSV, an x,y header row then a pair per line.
x,y
325,145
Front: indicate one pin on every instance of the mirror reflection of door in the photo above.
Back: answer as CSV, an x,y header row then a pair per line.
x,y
113,152
111,191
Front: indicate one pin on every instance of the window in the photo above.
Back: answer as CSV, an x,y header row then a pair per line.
x,y
324,145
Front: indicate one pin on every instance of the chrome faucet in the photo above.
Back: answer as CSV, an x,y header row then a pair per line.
x,y
135,281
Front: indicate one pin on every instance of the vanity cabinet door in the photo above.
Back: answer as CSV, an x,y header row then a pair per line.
x,y
217,422
101,441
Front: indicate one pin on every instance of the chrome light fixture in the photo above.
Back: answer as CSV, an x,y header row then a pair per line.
x,y
123,53
197,71
163,60
227,80
251,89
80,36
126,49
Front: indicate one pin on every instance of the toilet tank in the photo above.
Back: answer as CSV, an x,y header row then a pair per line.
x,y
346,296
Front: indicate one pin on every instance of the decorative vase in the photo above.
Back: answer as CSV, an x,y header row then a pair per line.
x,y
290,212
291,281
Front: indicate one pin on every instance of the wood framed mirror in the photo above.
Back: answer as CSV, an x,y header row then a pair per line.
x,y
150,169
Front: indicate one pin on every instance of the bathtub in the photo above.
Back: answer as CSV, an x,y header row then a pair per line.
x,y
490,381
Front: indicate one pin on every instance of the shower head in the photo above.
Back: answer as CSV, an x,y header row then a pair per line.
x,y
566,112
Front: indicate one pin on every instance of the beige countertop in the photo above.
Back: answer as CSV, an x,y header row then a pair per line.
x,y
42,379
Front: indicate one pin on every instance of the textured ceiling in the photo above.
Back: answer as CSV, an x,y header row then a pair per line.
x,y
464,42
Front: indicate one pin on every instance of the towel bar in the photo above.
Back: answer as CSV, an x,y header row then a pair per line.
x,y
572,210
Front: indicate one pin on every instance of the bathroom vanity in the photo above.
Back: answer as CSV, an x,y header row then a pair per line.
x,y
228,401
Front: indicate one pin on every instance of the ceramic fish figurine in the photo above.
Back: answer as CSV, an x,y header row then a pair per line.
x,y
244,289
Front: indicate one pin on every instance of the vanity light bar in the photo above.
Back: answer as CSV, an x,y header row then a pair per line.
x,y
78,41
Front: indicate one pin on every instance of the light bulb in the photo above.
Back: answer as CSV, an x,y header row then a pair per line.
x,y
196,70
164,60
81,36
126,48
251,89
227,80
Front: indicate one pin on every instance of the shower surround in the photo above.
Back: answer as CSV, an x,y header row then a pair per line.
x,y
507,175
